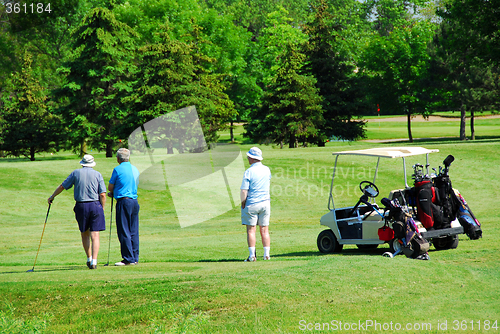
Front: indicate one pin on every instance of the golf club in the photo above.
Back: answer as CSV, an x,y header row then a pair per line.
x,y
110,225
46,217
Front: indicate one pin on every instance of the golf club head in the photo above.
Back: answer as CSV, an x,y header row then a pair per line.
x,y
107,264
31,270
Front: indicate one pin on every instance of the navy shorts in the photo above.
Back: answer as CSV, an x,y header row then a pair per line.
x,y
90,216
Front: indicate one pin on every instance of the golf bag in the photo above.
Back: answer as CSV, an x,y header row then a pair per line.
x,y
428,212
453,205
438,204
471,225
413,245
447,199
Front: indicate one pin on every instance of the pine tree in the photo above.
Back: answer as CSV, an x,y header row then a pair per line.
x,y
97,79
343,100
27,126
173,75
291,110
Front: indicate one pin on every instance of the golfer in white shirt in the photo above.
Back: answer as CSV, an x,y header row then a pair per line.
x,y
256,202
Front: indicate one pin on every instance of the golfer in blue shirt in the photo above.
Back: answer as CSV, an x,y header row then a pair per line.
x,y
123,187
256,202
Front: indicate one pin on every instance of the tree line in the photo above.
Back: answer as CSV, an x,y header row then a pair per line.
x,y
83,74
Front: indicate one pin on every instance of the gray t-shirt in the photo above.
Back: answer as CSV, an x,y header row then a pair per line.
x,y
88,184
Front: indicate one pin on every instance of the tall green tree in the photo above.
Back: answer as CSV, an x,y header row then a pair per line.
x,y
398,63
280,34
291,110
226,42
173,74
464,81
97,78
476,22
336,74
467,49
26,125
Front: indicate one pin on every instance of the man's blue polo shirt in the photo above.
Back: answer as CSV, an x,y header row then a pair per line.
x,y
125,178
257,180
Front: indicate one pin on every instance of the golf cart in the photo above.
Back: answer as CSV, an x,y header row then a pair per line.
x,y
434,220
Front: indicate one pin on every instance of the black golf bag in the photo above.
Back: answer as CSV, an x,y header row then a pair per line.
x,y
429,212
438,204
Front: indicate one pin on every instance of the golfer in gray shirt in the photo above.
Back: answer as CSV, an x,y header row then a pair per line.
x,y
90,196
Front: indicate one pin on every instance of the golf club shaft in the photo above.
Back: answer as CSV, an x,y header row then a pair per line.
x,y
110,225
43,231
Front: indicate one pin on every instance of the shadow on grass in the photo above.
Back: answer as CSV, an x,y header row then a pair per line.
x,y
220,260
344,252
44,270
441,140
40,158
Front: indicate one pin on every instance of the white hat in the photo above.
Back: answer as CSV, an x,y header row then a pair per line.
x,y
87,161
255,153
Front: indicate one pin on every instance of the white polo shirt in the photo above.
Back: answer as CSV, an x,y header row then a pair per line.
x,y
257,180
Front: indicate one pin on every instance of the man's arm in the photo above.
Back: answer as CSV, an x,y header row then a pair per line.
x,y
56,192
111,187
102,199
243,197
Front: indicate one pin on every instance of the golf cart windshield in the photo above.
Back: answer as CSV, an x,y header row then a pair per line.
x,y
386,152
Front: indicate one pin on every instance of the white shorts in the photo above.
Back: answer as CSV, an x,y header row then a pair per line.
x,y
258,213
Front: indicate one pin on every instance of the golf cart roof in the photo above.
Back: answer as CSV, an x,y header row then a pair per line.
x,y
385,152
389,152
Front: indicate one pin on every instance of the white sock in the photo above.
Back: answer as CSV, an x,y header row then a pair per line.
x,y
266,251
94,262
89,259
251,251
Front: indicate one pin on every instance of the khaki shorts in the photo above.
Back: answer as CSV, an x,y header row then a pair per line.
x,y
256,214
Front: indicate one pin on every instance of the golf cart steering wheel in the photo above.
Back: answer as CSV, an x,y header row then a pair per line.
x,y
369,189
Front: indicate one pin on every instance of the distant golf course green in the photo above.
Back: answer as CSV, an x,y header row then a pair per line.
x,y
194,280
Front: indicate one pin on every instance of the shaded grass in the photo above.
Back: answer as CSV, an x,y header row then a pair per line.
x,y
484,127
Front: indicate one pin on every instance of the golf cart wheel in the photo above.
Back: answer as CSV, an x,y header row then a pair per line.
x,y
327,242
395,246
450,242
367,246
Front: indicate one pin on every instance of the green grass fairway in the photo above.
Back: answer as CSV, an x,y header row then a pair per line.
x,y
194,280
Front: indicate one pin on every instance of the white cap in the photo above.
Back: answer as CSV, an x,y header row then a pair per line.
x,y
255,153
87,161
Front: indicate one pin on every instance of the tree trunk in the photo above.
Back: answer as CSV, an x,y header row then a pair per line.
x,y
170,148
410,136
32,153
472,132
462,122
109,149
83,148
231,131
291,143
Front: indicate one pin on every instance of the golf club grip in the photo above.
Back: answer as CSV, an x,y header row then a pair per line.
x,y
449,159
